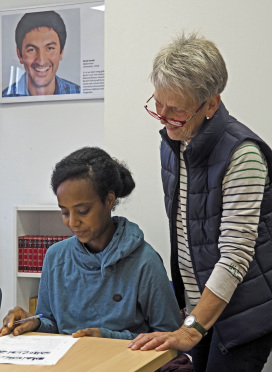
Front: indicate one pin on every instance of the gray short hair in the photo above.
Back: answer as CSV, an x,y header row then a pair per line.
x,y
190,65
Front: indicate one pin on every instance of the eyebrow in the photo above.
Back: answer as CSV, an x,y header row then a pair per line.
x,y
76,205
171,107
34,46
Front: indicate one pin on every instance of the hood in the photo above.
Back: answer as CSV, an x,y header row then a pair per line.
x,y
126,239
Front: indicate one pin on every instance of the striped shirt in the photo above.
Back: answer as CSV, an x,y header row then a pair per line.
x,y
242,188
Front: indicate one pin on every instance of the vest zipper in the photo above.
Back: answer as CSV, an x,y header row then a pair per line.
x,y
173,237
222,349
188,227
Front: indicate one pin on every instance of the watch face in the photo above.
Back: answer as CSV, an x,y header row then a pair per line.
x,y
189,320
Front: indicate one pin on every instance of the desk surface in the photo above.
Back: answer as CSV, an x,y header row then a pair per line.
x,y
90,354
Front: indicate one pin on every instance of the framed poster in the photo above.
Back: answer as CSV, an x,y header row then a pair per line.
x,y
52,53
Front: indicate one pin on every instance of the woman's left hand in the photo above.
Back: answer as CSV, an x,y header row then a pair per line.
x,y
182,339
90,332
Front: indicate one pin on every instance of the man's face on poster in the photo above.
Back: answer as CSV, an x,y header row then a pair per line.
x,y
40,57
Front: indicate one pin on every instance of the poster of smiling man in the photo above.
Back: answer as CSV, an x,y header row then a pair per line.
x,y
54,53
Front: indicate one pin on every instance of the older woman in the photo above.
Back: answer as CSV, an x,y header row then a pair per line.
x,y
216,177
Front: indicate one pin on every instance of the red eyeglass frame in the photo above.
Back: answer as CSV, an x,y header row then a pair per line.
x,y
171,121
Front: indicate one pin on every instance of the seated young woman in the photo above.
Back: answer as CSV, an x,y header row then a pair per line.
x,y
106,280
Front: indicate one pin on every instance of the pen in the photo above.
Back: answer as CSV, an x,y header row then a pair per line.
x,y
30,318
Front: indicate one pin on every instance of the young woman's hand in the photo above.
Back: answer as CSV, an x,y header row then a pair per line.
x,y
90,332
17,329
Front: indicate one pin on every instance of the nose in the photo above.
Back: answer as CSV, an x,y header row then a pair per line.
x,y
73,220
41,58
163,111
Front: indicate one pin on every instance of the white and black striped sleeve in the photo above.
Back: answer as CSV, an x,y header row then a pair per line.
x,y
243,187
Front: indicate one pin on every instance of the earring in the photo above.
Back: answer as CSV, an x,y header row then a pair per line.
x,y
208,117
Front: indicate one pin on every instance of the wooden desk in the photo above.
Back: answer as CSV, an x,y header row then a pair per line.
x,y
90,354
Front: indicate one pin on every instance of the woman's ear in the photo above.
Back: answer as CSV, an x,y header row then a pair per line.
x,y
212,105
19,56
110,199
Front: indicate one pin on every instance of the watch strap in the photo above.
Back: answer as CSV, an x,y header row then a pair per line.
x,y
199,328
196,325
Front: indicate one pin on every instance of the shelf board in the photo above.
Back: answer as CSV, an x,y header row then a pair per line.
x,y
38,208
28,275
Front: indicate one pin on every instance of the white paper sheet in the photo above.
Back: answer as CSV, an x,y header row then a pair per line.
x,y
34,350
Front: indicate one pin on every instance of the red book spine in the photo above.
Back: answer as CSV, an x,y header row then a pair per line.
x,y
20,253
30,253
25,250
41,253
49,243
55,239
40,247
35,254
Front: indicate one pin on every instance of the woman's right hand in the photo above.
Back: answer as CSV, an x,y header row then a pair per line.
x,y
17,314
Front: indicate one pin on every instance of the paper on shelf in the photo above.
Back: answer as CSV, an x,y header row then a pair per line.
x,y
34,350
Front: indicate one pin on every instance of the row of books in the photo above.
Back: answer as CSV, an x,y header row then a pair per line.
x,y
32,249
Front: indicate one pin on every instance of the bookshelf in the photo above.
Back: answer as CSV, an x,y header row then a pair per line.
x,y
33,220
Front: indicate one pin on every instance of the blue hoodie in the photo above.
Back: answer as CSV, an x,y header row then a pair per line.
x,y
123,290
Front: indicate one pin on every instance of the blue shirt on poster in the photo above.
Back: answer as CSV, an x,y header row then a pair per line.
x,y
20,89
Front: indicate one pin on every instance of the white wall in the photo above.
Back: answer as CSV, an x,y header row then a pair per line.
x,y
33,137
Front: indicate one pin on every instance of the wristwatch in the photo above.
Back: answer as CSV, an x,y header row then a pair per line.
x,y
190,321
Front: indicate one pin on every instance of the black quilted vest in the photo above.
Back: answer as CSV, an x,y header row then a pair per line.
x,y
249,313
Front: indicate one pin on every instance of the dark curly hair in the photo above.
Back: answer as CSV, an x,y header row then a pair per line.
x,y
94,164
30,21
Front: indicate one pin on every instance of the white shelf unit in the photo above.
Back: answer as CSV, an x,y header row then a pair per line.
x,y
33,220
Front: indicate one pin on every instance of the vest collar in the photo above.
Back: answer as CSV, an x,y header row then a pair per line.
x,y
202,144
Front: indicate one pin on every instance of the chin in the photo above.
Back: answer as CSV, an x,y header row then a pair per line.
x,y
174,136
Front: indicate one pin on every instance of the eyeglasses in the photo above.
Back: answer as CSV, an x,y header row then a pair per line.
x,y
171,121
